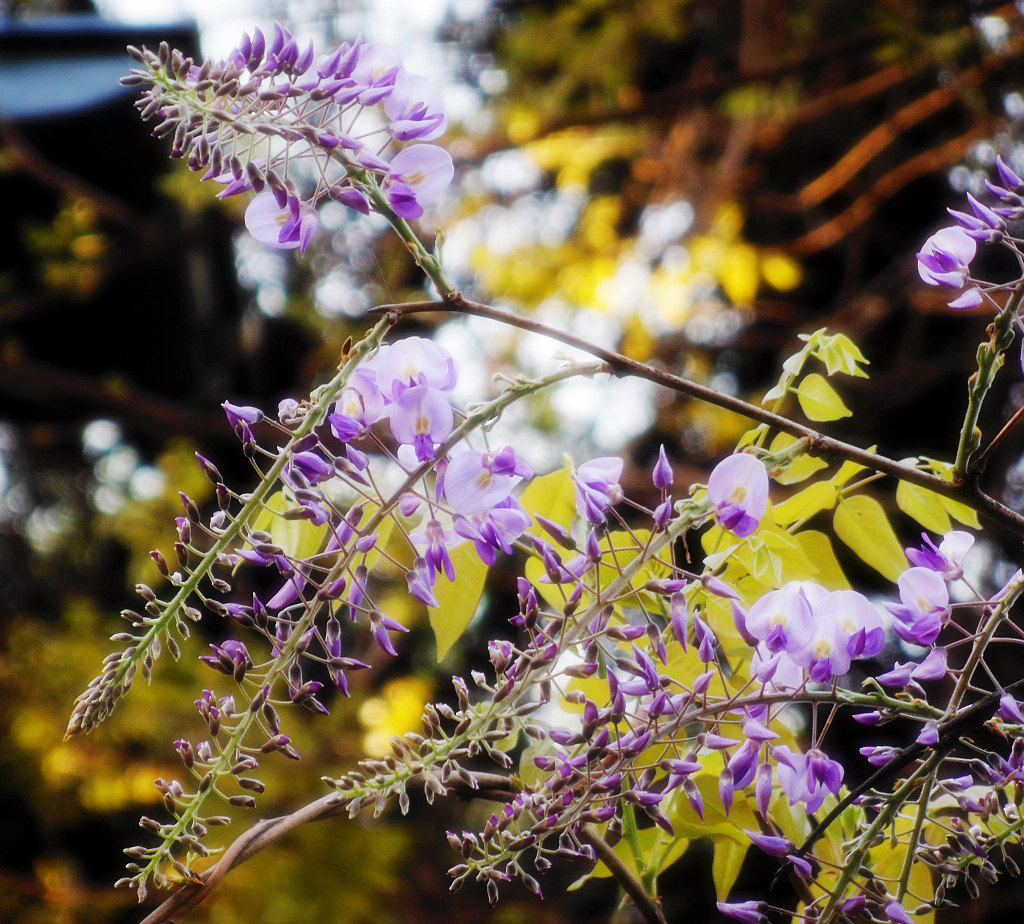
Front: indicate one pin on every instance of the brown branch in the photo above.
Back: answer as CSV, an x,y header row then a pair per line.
x,y
645,904
190,894
886,186
824,447
905,118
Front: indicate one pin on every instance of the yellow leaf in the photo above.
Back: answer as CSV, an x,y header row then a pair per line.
x,y
457,600
296,538
819,400
861,523
818,549
802,468
725,868
803,505
924,506
553,496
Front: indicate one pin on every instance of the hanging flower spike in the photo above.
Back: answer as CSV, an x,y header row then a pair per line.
x,y
738,489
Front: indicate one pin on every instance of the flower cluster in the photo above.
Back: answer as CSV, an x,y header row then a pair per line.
x,y
274,118
945,259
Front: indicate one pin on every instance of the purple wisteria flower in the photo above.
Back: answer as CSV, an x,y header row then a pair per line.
x,y
924,606
808,777
284,227
597,487
738,489
947,557
416,177
276,119
945,259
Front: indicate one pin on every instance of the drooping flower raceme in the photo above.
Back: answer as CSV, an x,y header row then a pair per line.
x,y
292,126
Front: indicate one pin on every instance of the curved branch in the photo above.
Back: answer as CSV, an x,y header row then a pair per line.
x,y
262,834
824,447
645,904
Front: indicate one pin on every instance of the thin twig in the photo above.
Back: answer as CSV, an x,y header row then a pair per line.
x,y
824,447
646,905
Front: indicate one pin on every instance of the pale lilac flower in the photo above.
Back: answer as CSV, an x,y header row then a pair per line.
x,y
416,177
924,609
284,227
808,777
597,487
415,110
738,489
782,619
946,558
360,406
476,481
494,529
422,417
412,361
945,258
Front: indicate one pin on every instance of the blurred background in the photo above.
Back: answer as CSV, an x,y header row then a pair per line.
x,y
693,182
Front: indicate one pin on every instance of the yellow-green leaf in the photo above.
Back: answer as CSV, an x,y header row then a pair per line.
x,y
861,523
457,600
924,506
819,400
725,868
801,468
840,354
296,538
802,506
553,496
818,549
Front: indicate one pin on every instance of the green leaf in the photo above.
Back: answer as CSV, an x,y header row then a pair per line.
x,y
924,506
861,523
457,600
819,400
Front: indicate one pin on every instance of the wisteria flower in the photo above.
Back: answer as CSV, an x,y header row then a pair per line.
x,y
416,177
422,417
597,487
947,557
412,361
808,777
945,261
738,489
283,227
924,607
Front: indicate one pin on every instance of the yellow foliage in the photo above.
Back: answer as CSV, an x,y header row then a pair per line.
x,y
395,711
